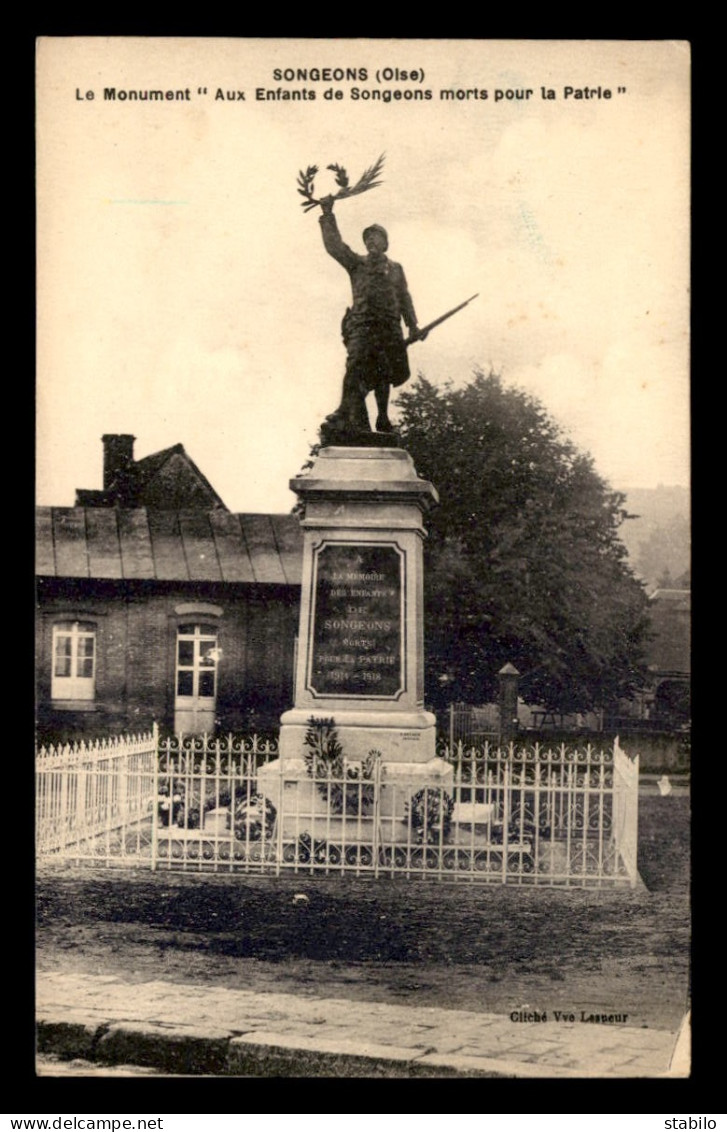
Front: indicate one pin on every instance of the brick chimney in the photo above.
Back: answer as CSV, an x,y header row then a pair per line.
x,y
118,457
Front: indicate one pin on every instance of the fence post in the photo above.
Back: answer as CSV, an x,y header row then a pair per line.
x,y
633,824
280,820
64,801
376,847
505,817
508,678
626,809
155,800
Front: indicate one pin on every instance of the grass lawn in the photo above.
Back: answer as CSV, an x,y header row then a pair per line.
x,y
486,948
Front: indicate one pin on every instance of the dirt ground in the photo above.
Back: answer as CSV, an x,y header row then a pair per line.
x,y
486,948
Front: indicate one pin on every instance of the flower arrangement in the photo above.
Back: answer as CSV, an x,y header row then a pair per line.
x,y
253,818
430,814
347,786
170,803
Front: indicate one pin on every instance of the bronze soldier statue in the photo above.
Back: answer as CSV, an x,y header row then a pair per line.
x,y
371,329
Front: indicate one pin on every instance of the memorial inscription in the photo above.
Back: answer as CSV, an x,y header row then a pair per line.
x,y
357,639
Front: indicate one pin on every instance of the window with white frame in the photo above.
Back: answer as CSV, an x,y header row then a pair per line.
x,y
74,661
197,655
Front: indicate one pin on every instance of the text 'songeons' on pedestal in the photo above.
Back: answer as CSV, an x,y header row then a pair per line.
x,y
358,621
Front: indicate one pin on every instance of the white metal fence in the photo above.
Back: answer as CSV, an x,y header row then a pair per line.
x,y
86,793
523,815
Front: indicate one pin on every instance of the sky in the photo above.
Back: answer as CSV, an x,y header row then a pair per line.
x,y
184,296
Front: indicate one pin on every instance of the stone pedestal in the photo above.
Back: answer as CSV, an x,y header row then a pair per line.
x,y
360,658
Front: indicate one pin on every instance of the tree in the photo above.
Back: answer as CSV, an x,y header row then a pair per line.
x,y
523,562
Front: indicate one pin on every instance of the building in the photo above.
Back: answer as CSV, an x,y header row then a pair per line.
x,y
670,656
165,481
155,603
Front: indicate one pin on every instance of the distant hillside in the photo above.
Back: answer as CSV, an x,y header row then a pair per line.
x,y
659,540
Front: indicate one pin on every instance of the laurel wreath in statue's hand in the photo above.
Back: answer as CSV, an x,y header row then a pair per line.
x,y
367,180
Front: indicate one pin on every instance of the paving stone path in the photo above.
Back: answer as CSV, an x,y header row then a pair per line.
x,y
181,1028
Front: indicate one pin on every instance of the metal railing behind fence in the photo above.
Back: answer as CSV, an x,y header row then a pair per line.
x,y
523,815
473,726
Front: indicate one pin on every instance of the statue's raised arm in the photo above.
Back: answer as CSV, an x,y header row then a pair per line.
x,y
332,241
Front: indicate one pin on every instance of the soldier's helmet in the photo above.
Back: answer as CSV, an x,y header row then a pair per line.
x,y
376,228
